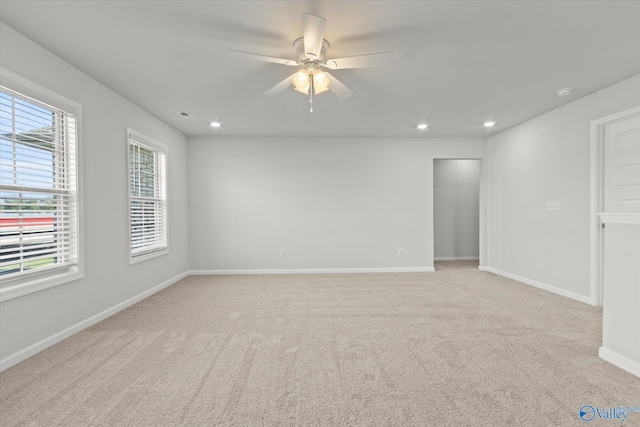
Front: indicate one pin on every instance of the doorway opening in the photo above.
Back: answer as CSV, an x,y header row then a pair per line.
x,y
600,185
456,210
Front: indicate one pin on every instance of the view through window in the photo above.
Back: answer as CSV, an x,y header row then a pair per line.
x,y
147,195
38,188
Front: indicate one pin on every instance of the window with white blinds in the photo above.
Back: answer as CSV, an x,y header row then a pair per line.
x,y
38,192
147,197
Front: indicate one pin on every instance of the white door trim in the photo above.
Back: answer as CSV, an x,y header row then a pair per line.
x,y
597,199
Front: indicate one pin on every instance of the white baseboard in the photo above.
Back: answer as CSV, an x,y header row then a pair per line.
x,y
317,271
483,268
620,361
456,258
544,286
33,349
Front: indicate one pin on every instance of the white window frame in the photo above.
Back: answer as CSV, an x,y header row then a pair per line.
x,y
136,138
45,278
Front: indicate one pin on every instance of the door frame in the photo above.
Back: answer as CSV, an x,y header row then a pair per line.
x,y
597,199
483,215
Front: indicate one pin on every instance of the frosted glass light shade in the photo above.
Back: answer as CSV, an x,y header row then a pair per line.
x,y
300,79
302,89
320,82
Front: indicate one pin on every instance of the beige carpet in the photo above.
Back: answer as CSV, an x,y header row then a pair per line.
x,y
455,347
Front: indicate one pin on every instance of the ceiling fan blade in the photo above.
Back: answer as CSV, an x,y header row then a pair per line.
x,y
280,86
263,58
359,61
313,34
337,87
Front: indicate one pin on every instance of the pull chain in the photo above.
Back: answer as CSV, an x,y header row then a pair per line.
x,y
311,93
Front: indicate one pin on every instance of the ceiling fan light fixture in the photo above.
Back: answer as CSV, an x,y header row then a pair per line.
x,y
311,50
301,79
320,82
302,89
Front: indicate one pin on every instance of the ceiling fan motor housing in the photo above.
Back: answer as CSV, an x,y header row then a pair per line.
x,y
302,56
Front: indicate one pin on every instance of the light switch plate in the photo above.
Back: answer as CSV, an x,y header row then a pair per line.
x,y
553,206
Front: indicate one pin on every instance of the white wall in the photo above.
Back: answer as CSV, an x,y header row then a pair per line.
x,y
331,203
547,159
109,280
456,208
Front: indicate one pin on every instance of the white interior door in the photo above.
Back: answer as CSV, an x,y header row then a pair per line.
x,y
622,166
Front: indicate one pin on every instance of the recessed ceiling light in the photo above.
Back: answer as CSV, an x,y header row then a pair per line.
x,y
564,91
422,126
215,124
185,115
489,124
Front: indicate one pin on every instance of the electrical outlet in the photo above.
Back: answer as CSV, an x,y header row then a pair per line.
x,y
283,253
400,252
553,206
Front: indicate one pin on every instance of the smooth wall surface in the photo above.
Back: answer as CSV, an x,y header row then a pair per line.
x,y
621,309
330,203
548,159
456,208
109,279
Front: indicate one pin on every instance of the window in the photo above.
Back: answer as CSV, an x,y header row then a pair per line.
x,y
39,197
147,197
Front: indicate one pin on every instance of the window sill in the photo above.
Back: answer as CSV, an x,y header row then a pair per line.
x,y
39,284
146,256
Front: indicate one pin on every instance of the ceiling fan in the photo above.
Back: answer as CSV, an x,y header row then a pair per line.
x,y
311,50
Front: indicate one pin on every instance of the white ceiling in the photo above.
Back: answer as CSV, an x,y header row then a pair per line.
x,y
456,63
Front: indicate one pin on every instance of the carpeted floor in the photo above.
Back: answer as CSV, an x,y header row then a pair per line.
x,y
455,347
